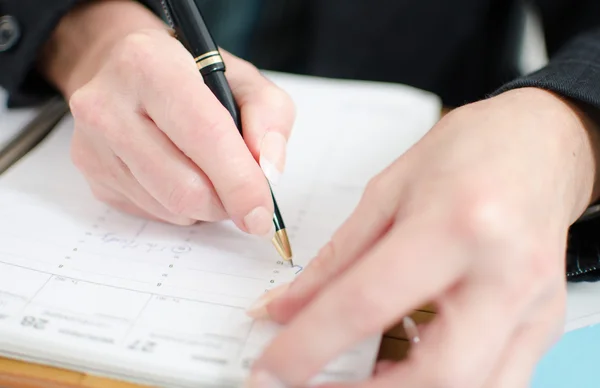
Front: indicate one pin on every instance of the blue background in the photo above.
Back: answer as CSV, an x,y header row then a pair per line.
x,y
574,362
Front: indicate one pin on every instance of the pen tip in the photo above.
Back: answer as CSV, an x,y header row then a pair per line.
x,y
282,244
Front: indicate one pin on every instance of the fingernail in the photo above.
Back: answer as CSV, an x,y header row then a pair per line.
x,y
271,233
259,222
258,310
272,155
262,379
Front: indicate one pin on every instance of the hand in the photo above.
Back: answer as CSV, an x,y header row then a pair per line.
x,y
150,137
474,217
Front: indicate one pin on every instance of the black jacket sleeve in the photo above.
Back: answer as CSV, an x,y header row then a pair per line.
x,y
572,31
29,23
25,25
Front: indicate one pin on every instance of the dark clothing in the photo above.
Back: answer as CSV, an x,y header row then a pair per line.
x,y
462,50
35,20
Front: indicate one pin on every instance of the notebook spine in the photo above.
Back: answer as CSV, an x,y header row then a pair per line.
x,y
33,133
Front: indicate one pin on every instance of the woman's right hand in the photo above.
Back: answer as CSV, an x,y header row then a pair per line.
x,y
150,138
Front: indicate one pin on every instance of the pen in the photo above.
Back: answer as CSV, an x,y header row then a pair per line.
x,y
191,30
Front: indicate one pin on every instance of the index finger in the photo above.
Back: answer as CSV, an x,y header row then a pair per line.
x,y
376,292
265,107
185,109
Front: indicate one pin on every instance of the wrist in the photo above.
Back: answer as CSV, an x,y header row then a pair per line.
x,y
84,38
579,147
590,120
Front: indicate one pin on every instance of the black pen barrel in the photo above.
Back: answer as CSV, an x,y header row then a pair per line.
x,y
218,85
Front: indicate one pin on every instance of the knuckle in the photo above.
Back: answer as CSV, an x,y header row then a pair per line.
x,y
185,198
92,113
103,196
485,219
136,54
87,106
324,261
378,196
278,100
248,189
375,188
244,192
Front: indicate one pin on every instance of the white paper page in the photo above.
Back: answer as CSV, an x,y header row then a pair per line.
x,y
85,287
12,120
583,305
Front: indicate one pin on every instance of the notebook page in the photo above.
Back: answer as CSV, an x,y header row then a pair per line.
x,y
85,287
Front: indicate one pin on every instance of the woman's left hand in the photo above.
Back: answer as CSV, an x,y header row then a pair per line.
x,y
474,217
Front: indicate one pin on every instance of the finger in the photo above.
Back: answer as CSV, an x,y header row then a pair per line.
x,y
96,169
458,342
364,227
174,95
466,340
165,173
267,115
118,201
383,366
132,189
160,168
530,342
515,369
102,168
379,289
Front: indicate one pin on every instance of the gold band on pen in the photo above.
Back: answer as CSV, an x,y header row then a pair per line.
x,y
206,55
282,244
207,59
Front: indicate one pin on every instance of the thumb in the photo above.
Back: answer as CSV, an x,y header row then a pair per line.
x,y
267,114
367,224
